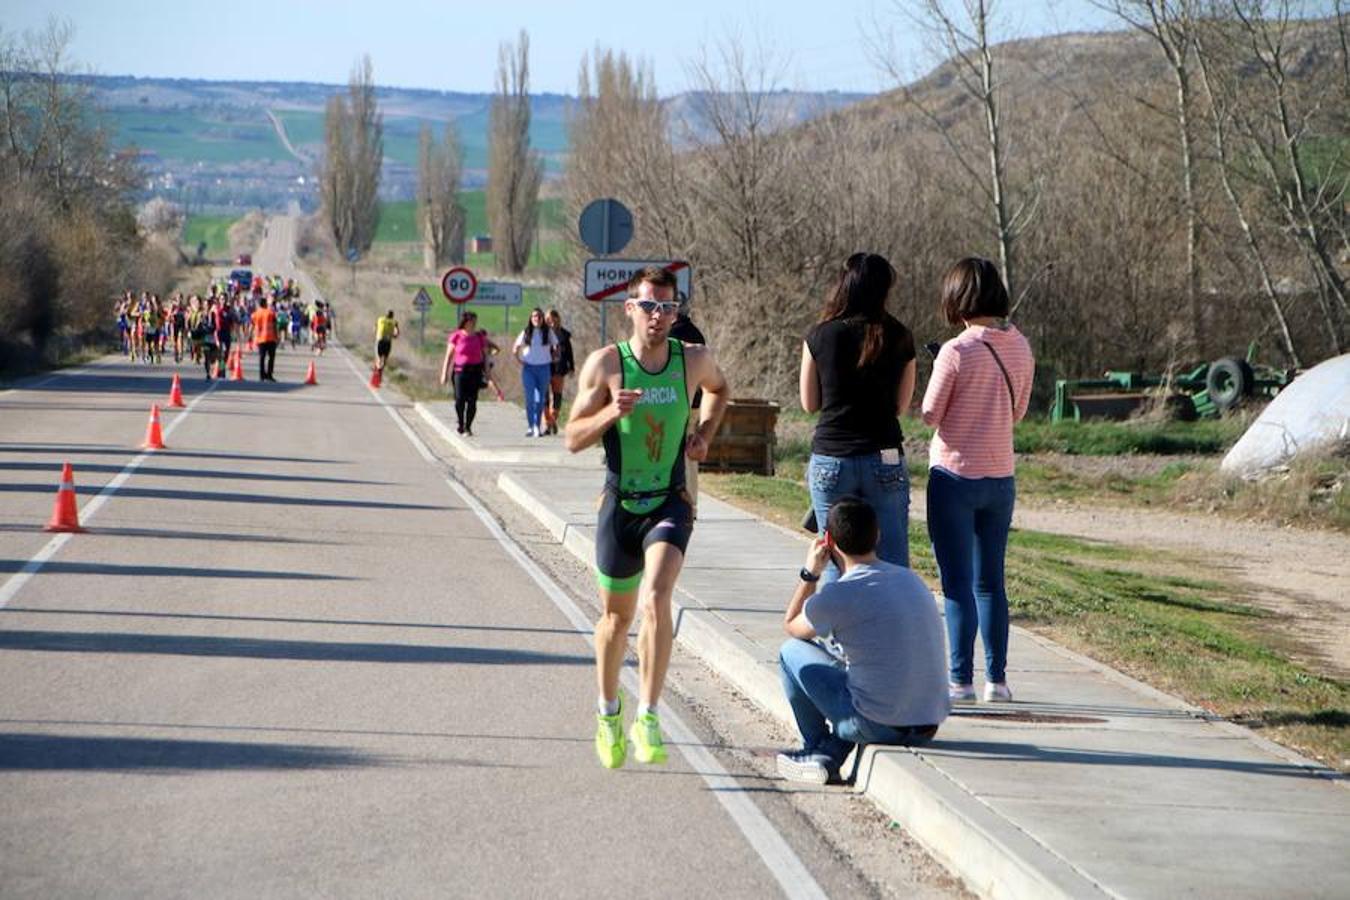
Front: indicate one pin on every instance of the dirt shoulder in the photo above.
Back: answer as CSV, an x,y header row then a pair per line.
x,y
1299,574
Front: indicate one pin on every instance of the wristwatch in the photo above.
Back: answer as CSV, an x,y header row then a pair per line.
x,y
805,575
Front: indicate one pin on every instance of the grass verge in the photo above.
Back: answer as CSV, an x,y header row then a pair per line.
x,y
214,231
1166,620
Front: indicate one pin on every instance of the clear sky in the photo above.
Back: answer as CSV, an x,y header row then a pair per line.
x,y
452,44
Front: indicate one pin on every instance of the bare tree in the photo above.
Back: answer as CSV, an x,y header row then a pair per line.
x,y
367,149
335,175
740,165
1171,25
1221,97
1342,27
514,170
440,168
349,176
69,238
1277,124
961,31
619,145
50,131
161,216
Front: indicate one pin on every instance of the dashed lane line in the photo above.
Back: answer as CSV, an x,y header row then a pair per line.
x,y
52,547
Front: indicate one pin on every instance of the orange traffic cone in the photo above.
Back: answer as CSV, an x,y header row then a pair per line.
x,y
176,392
237,368
310,377
154,438
220,366
65,517
376,377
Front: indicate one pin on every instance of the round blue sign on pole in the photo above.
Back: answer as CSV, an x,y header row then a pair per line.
x,y
606,226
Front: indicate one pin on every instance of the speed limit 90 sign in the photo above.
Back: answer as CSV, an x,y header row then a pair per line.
x,y
459,285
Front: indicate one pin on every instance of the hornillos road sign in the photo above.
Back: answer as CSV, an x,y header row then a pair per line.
x,y
607,279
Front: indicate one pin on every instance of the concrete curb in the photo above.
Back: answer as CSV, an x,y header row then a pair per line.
x,y
994,857
473,453
701,631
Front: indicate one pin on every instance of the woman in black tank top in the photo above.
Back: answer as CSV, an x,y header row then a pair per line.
x,y
858,371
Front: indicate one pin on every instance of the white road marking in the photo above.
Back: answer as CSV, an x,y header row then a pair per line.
x,y
52,547
781,860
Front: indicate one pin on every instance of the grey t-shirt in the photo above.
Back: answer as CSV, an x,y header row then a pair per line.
x,y
884,617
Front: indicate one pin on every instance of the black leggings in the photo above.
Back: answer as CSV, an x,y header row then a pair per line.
x,y
267,359
468,382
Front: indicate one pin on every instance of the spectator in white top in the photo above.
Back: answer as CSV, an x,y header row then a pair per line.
x,y
536,349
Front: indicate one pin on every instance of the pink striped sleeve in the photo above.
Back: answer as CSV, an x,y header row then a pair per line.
x,y
938,395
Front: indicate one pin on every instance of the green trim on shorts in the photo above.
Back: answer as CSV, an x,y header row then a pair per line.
x,y
618,585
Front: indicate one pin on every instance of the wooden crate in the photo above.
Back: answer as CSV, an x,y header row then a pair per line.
x,y
745,442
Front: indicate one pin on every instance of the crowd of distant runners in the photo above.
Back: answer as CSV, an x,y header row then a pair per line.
x,y
204,328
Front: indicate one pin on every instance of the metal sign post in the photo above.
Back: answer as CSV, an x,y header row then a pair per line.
x,y
352,256
422,303
605,226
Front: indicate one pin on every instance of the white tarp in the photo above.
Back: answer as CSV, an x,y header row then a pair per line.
x,y
1311,414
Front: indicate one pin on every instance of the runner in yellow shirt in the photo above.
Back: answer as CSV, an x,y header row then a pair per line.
x,y
386,329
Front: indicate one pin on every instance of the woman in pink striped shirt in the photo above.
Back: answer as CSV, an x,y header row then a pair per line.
x,y
980,387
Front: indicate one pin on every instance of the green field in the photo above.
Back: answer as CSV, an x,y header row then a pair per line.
x,y
398,224
198,136
214,230
401,135
239,136
443,317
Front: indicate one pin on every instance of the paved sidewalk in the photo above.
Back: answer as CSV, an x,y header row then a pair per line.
x,y
1091,785
499,437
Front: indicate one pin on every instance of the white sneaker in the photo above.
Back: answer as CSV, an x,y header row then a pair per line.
x,y
530,432
961,693
997,692
802,765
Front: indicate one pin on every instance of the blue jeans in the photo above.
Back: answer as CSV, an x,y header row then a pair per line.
x,y
535,379
885,488
817,690
968,522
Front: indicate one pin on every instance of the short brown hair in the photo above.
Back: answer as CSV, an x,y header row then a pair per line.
x,y
972,289
653,275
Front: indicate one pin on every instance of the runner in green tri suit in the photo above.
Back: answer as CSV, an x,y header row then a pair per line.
x,y
634,397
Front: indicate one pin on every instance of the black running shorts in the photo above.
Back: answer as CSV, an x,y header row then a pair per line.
x,y
622,538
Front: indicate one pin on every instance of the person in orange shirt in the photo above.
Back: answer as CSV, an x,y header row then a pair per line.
x,y
265,337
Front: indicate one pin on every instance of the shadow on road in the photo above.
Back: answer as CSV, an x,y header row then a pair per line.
x,y
287,620
261,648
129,379
50,752
112,449
168,535
243,475
143,571
226,497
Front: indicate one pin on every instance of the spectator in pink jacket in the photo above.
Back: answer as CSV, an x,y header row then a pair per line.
x,y
980,387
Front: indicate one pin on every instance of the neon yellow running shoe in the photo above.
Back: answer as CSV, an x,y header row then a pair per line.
x,y
647,743
610,744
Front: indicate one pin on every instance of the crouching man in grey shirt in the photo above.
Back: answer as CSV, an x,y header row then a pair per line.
x,y
893,689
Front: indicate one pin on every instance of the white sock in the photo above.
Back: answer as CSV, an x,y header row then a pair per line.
x,y
644,709
608,707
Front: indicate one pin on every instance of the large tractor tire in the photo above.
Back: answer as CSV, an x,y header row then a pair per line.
x,y
1229,382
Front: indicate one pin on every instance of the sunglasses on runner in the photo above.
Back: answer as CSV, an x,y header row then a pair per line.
x,y
663,307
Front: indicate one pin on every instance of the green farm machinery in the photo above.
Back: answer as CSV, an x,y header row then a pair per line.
x,y
1206,391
